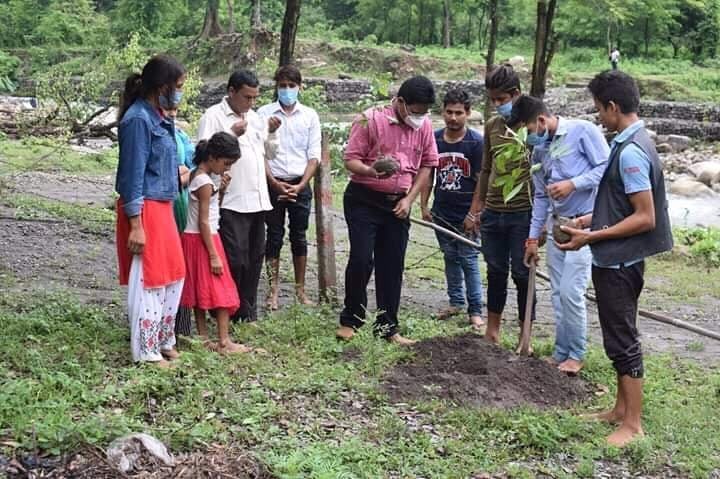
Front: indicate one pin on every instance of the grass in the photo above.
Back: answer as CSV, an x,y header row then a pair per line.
x,y
67,380
28,206
48,155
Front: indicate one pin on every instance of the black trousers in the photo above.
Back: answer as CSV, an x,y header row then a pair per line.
x,y
617,292
298,214
378,240
243,237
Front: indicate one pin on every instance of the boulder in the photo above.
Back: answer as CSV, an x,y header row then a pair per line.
x,y
664,148
517,61
652,134
690,187
679,142
707,172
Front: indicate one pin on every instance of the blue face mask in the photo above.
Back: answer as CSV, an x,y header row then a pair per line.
x,y
170,102
505,109
288,96
533,139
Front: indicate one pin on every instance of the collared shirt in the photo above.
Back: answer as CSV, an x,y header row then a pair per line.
x,y
147,167
299,139
378,132
634,171
577,152
248,189
496,134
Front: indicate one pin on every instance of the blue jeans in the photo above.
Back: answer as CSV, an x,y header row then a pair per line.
x,y
462,273
503,240
569,276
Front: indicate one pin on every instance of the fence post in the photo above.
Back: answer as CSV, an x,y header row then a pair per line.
x,y
327,277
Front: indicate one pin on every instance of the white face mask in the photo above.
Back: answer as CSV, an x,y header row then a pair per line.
x,y
414,121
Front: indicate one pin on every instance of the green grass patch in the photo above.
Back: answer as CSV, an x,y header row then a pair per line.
x,y
44,154
34,207
307,408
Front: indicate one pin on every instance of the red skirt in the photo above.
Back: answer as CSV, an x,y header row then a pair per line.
x,y
162,256
203,289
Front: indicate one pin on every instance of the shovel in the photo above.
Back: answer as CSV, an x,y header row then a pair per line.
x,y
524,348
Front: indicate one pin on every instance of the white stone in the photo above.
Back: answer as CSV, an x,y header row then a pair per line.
x,y
664,148
679,142
687,186
707,172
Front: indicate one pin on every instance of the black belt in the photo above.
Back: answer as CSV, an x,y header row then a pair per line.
x,y
579,215
362,191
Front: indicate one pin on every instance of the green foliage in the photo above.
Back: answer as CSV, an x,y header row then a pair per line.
x,y
512,163
703,243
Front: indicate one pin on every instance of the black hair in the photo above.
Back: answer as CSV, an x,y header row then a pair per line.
x,y
457,95
525,110
502,77
220,145
617,87
417,90
289,73
159,71
240,78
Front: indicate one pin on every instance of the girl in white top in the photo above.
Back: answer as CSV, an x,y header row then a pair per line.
x,y
209,284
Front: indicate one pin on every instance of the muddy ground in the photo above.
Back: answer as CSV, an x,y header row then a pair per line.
x,y
42,253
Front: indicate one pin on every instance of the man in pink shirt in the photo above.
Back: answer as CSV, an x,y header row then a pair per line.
x,y
390,155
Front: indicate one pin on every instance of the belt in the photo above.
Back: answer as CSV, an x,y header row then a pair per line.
x,y
574,217
362,190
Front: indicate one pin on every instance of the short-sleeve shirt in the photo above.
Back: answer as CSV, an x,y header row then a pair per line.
x,y
379,132
193,221
456,175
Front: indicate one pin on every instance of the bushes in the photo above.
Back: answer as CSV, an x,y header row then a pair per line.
x,y
703,243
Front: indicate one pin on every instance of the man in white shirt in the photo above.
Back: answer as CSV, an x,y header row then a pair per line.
x,y
290,170
246,200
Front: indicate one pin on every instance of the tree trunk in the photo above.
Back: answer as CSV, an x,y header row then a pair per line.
x,y
446,24
647,35
255,21
289,31
492,46
211,25
545,45
421,15
231,19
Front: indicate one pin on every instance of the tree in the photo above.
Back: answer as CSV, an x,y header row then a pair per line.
x,y
446,24
492,46
289,31
211,25
545,45
255,22
231,19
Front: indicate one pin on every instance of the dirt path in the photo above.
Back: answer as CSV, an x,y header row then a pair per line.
x,y
44,253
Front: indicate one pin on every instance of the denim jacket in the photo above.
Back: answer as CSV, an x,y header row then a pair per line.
x,y
148,158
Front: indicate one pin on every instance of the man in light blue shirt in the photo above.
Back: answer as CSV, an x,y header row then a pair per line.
x,y
569,160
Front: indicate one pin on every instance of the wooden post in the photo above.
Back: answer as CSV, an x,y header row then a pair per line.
x,y
327,276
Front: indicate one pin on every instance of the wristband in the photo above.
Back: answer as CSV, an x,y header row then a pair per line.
x,y
530,241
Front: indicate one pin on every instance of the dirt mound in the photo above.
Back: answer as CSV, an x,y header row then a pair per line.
x,y
217,462
469,370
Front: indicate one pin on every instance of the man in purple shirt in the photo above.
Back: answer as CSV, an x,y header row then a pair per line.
x,y
571,156
390,155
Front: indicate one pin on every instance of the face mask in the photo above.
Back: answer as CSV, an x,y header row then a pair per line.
x,y
505,109
414,121
288,96
170,102
533,139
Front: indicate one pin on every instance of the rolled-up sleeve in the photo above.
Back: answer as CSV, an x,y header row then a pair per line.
x,y
358,147
135,147
314,139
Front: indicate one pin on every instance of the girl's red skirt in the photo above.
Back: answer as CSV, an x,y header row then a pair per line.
x,y
203,289
162,256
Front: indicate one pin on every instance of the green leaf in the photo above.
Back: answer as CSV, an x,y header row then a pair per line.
x,y
513,193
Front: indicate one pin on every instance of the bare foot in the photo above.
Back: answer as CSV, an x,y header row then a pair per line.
x,y
170,354
233,348
476,322
612,416
571,367
448,313
345,333
401,341
551,361
530,350
162,364
303,299
624,435
272,302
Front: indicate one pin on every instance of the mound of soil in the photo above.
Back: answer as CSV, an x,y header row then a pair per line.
x,y
469,370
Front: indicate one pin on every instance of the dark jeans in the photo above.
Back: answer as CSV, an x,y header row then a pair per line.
x,y
298,214
243,237
378,240
503,239
618,291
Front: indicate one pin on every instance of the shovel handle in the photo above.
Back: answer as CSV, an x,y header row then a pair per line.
x,y
527,322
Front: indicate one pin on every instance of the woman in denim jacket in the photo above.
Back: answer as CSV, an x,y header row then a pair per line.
x,y
149,251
